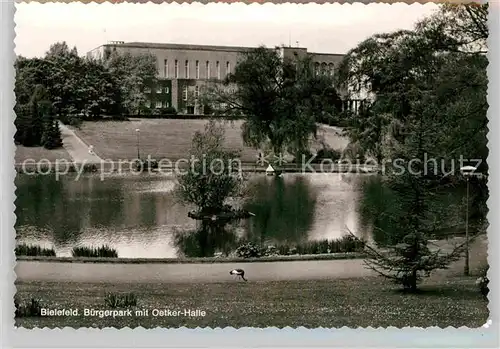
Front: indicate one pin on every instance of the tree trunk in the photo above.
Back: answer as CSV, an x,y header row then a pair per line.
x,y
413,281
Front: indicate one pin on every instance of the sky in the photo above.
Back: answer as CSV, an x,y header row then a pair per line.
x,y
326,28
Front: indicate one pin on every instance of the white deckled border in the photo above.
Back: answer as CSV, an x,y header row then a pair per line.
x,y
229,337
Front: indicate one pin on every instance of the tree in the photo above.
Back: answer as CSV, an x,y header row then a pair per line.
x,y
210,180
279,100
25,126
432,57
429,88
59,49
51,136
35,121
458,28
208,183
417,215
65,82
30,72
80,88
103,95
132,74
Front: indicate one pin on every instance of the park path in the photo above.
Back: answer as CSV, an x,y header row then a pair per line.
x,y
188,273
77,148
336,129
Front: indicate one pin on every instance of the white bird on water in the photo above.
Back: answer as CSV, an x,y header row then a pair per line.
x,y
238,272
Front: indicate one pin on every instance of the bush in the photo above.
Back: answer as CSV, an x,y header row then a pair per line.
x,y
346,244
169,110
156,112
51,135
103,251
284,250
248,250
145,165
483,281
322,154
27,308
114,300
31,250
271,251
89,168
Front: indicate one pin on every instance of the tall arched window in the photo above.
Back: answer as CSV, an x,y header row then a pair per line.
x,y
323,68
331,69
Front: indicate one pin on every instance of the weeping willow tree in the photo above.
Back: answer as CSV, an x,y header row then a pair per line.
x,y
280,101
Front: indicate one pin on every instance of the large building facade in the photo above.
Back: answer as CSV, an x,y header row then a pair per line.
x,y
183,70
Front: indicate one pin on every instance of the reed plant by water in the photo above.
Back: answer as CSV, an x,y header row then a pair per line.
x,y
33,250
102,251
346,244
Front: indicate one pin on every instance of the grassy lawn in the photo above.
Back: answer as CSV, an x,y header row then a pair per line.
x,y
328,303
39,153
163,138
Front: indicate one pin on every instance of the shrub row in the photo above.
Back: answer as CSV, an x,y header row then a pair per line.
x,y
103,251
346,244
31,250
322,154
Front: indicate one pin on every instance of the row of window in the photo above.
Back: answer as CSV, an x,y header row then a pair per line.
x,y
185,92
187,75
319,68
323,68
159,104
158,90
167,90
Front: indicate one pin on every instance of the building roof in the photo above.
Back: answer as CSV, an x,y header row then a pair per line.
x,y
182,46
194,47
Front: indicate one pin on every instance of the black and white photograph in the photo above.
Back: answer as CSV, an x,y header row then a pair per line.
x,y
251,165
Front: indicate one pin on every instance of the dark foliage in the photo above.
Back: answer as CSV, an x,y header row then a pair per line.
x,y
114,300
30,250
30,308
102,251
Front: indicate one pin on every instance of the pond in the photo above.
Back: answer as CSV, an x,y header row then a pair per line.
x,y
139,216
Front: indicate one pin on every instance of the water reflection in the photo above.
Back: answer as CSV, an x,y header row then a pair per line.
x,y
139,217
384,211
284,209
206,241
